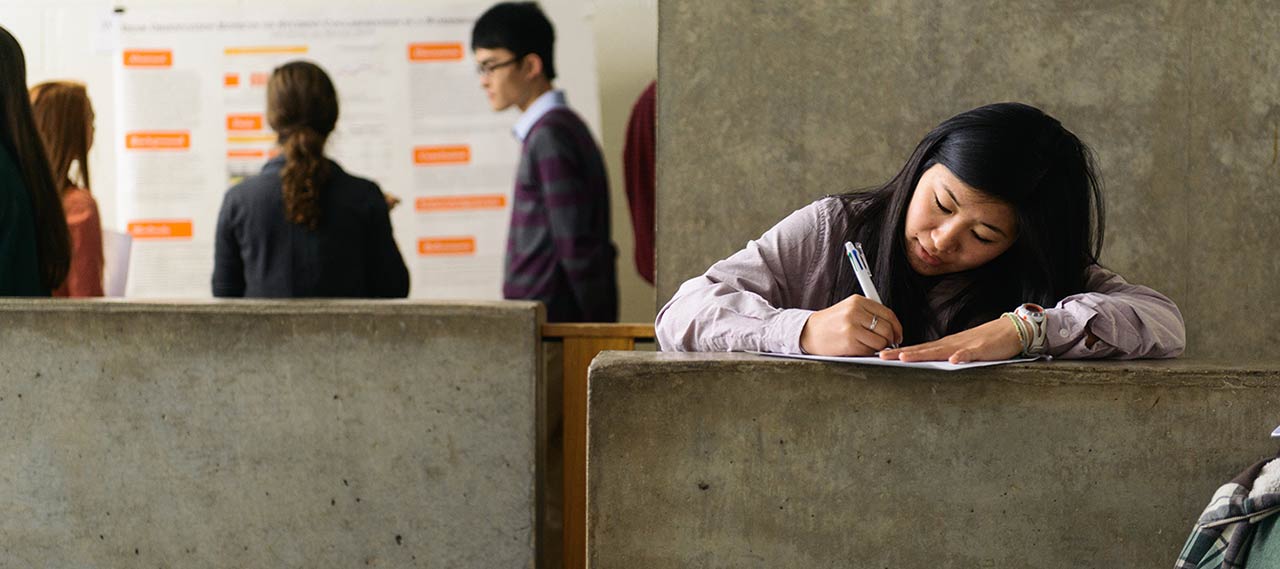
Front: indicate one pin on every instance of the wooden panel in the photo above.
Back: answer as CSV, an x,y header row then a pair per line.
x,y
582,342
598,330
578,353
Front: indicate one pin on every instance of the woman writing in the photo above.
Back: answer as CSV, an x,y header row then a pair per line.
x,y
304,227
64,117
984,246
34,247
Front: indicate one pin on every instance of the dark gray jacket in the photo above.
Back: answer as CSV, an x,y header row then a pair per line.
x,y
351,254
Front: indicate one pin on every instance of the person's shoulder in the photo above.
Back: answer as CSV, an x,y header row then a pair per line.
x,y
77,202
237,192
826,219
253,193
828,205
839,210
810,218
1097,277
829,210
259,181
355,189
78,198
559,124
564,116
561,132
353,182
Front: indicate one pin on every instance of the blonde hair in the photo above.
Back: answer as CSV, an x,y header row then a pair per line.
x,y
63,117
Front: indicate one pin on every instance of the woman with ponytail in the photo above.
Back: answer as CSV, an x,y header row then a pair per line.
x,y
64,118
304,227
35,251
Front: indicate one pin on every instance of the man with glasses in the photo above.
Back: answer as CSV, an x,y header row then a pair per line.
x,y
558,248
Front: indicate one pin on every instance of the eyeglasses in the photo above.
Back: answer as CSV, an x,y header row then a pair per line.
x,y
487,69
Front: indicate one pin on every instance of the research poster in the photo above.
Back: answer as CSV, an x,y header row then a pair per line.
x,y
191,122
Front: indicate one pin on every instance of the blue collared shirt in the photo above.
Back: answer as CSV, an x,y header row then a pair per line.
x,y
545,103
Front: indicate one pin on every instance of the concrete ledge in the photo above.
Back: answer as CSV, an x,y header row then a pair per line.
x,y
268,434
732,460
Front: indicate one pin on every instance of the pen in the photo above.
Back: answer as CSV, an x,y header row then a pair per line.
x,y
863,270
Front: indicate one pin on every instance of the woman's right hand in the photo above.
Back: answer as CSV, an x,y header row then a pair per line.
x,y
855,326
391,199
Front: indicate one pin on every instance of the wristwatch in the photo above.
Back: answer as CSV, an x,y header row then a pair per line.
x,y
1033,316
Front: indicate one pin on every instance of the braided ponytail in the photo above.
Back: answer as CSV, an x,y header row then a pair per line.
x,y
302,107
305,171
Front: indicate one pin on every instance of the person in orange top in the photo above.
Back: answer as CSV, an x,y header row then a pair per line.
x,y
64,118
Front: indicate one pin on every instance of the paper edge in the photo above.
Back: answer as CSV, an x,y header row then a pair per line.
x,y
872,361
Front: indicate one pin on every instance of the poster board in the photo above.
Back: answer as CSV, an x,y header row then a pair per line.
x,y
189,92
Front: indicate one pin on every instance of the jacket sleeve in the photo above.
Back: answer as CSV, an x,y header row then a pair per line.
x,y
1128,321
387,275
749,302
228,266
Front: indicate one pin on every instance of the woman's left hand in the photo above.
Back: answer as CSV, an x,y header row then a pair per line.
x,y
995,340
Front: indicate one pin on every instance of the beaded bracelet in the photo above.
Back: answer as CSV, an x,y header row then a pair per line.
x,y
1023,335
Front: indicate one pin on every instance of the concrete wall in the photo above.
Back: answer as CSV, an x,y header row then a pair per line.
x,y
732,460
267,434
769,105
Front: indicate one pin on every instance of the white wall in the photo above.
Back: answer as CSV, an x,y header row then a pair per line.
x,y
53,34
627,59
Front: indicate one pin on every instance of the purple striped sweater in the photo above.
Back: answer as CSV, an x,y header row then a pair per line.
x,y
559,249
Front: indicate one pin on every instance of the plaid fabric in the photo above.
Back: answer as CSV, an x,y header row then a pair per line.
x,y
559,249
1227,533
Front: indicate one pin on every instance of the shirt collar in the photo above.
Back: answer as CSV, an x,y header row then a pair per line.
x,y
545,103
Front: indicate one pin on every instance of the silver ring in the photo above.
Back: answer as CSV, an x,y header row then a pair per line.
x,y
874,320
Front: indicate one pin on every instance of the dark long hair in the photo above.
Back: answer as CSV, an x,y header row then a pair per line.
x,y
302,107
1016,154
22,141
63,116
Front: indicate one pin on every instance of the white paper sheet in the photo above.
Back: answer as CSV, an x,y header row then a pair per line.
x,y
116,247
875,361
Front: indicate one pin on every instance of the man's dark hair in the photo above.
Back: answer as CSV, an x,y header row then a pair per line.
x,y
520,27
